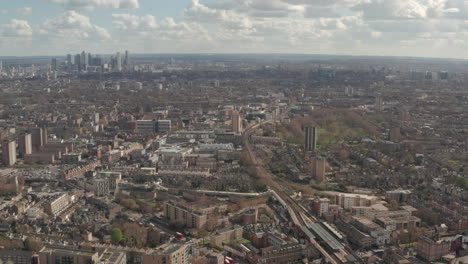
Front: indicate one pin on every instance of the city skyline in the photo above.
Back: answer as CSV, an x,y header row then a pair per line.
x,y
418,28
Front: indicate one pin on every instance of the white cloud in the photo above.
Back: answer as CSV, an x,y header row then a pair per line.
x,y
392,9
17,28
133,22
228,18
73,26
93,4
327,3
258,8
24,11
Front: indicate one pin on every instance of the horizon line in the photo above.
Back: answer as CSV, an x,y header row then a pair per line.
x,y
243,54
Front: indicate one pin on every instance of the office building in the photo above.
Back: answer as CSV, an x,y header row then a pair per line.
x,y
310,138
77,63
118,62
54,65
236,122
70,60
84,61
25,144
127,58
9,152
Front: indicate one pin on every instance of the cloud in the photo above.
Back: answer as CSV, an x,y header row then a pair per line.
x,y
24,11
392,9
327,3
258,8
73,26
133,22
17,28
93,4
147,26
228,18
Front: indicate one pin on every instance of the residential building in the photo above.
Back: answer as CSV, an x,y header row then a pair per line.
x,y
236,122
310,138
9,152
164,126
56,203
431,250
25,144
182,216
226,235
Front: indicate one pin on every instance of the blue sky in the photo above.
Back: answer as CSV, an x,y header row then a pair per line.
x,y
426,28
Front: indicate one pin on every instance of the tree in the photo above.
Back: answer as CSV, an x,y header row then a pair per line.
x,y
462,182
28,243
135,235
116,235
394,205
129,203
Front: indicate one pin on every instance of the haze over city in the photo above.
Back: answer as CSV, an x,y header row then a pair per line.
x,y
422,28
233,132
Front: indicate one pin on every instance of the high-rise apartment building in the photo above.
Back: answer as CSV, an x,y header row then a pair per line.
x,y
37,138
310,138
378,104
320,164
25,144
9,152
236,122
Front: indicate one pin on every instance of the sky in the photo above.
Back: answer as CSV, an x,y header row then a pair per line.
x,y
420,28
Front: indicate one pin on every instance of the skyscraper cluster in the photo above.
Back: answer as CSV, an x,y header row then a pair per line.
x,y
85,61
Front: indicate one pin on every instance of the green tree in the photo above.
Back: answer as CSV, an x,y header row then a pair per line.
x,y
462,182
28,243
116,235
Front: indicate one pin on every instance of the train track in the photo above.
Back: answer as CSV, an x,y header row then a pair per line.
x,y
299,215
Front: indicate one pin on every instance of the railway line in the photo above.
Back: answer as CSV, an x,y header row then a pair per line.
x,y
332,249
